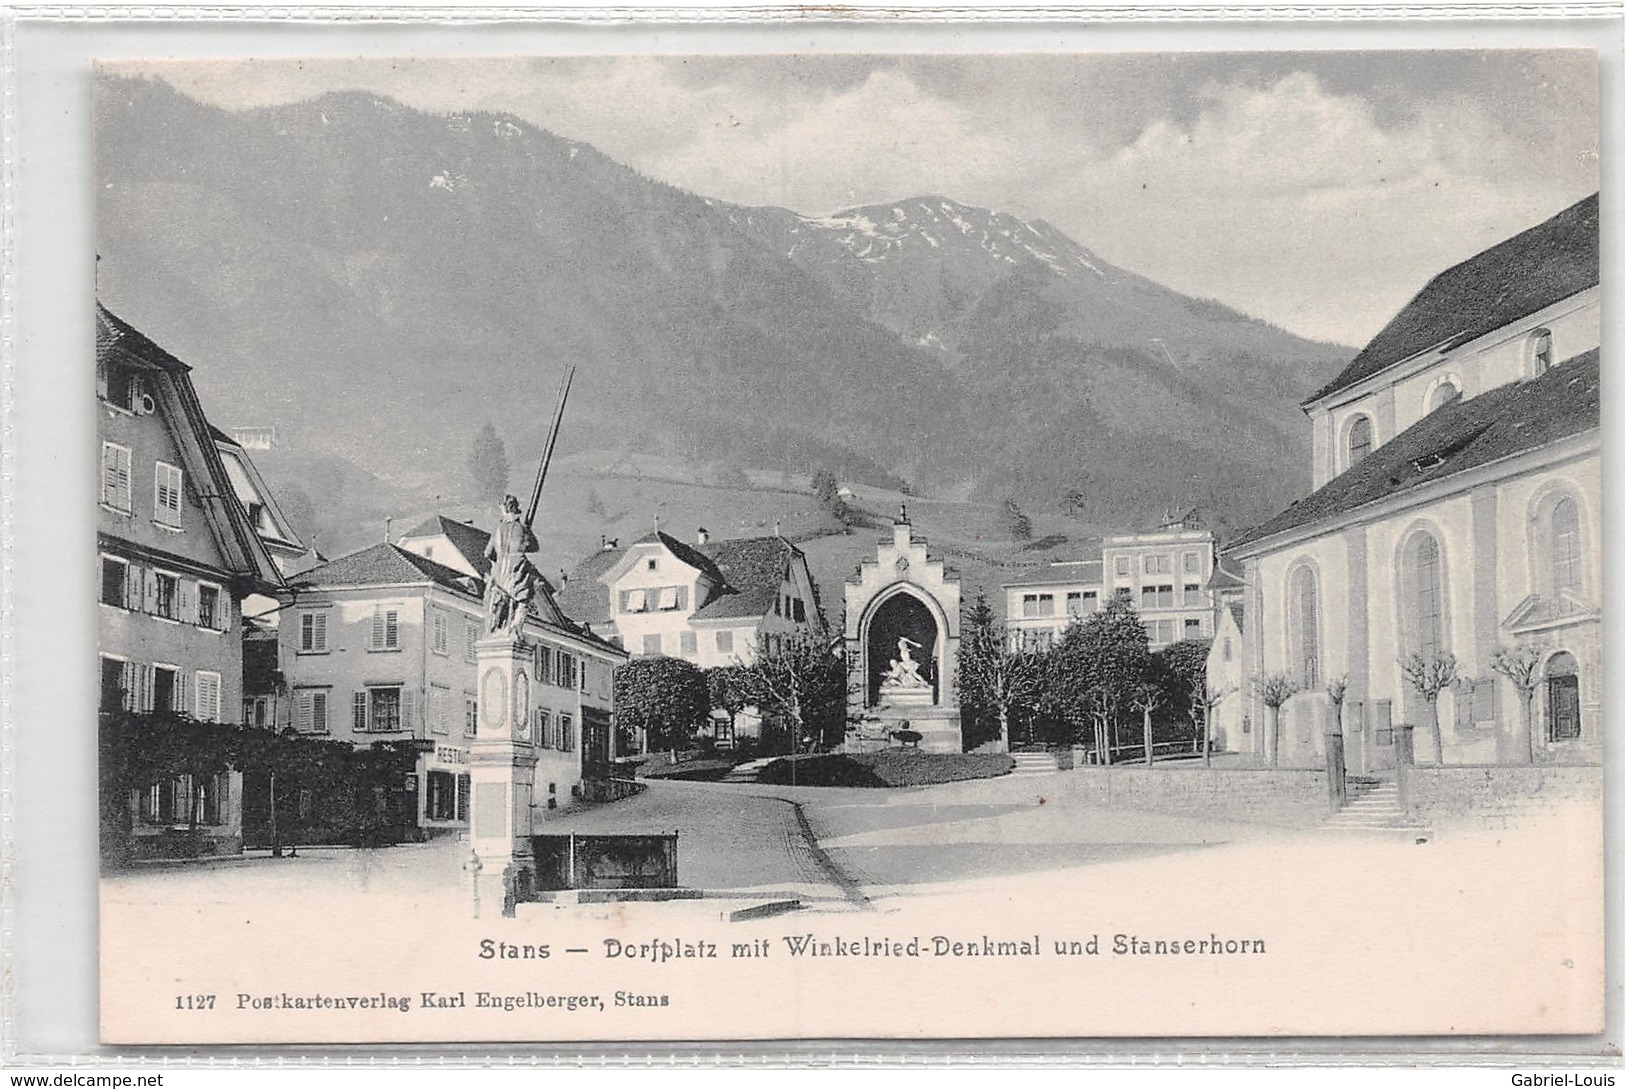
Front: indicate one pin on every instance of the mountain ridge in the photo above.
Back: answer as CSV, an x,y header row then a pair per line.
x,y
447,265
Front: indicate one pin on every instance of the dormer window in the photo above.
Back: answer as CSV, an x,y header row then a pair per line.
x,y
1540,352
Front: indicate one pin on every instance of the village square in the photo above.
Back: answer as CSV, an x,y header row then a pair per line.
x,y
824,665
437,688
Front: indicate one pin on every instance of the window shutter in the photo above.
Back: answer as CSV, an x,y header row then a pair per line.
x,y
303,708
178,694
132,586
185,610
123,491
391,628
359,722
377,640
127,683
409,710
149,591
318,712
146,688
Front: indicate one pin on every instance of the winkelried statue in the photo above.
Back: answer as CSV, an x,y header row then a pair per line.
x,y
512,578
905,671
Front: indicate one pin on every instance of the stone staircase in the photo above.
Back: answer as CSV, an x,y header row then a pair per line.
x,y
747,772
1373,807
1033,763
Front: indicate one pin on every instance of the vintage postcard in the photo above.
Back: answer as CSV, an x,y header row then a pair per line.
x,y
820,546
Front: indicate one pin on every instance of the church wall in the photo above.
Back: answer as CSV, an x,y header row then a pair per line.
x,y
1486,363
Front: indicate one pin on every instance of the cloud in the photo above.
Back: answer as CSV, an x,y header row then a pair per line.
x,y
1296,205
1315,191
879,140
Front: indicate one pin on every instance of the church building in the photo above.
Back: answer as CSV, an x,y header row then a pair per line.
x,y
1456,523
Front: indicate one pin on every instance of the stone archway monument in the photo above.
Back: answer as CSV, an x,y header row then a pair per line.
x,y
902,641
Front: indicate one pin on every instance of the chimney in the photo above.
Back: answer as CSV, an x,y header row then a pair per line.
x,y
776,528
704,536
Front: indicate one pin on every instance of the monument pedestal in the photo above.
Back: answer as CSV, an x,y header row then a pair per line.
x,y
938,726
502,771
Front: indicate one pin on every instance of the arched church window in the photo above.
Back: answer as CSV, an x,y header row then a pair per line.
x,y
1359,440
1423,598
1565,544
1306,624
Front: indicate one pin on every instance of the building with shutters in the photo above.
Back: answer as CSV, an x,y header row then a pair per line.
x,y
177,554
1457,514
378,645
708,603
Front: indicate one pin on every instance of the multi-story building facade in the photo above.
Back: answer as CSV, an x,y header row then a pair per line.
x,y
1163,574
1457,515
380,645
708,603
178,554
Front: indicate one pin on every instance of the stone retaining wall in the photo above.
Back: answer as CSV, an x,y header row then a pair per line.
x,y
1292,797
1500,790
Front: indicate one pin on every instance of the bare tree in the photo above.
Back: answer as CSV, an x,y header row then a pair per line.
x,y
1147,698
1275,689
1520,664
1430,674
1337,689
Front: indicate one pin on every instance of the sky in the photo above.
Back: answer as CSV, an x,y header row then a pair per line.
x,y
1316,190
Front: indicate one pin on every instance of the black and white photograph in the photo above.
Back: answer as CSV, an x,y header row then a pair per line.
x,y
821,545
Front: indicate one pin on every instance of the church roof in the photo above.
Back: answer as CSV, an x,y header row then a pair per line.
x,y
1462,435
1508,281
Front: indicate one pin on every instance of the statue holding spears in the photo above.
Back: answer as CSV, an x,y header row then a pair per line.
x,y
510,584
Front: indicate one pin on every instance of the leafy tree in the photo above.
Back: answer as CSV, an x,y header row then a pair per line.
x,y
666,698
1276,689
1184,674
1097,666
1520,664
1072,503
798,678
1015,523
997,675
732,689
488,464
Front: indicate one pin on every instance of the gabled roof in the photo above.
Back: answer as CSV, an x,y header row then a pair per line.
x,y
746,573
234,454
582,596
1526,273
686,553
387,564
1069,572
468,540
1459,436
170,381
